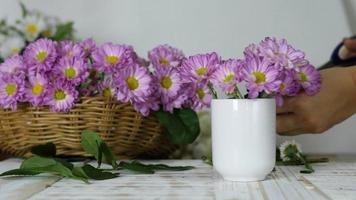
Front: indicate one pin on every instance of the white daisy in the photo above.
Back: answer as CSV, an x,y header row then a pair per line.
x,y
11,45
51,25
288,148
32,26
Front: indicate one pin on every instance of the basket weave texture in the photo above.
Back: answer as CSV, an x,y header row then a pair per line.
x,y
128,133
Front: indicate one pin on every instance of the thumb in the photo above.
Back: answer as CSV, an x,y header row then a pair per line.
x,y
350,44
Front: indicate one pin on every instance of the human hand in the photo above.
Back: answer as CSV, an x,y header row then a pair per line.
x,y
348,50
335,102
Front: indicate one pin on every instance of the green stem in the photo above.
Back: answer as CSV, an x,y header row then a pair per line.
x,y
212,91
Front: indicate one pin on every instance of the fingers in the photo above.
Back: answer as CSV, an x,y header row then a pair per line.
x,y
287,124
350,44
287,107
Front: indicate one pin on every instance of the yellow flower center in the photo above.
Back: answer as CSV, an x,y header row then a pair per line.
x,y
10,89
132,83
201,71
47,33
107,92
303,77
14,50
59,95
112,60
41,56
70,72
260,77
200,93
166,82
229,78
37,89
32,28
163,61
282,87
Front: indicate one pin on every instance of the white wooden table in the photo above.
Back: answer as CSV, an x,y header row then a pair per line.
x,y
333,180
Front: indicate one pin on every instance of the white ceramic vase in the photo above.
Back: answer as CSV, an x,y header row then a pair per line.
x,y
243,138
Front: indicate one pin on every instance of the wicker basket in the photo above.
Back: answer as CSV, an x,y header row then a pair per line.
x,y
128,133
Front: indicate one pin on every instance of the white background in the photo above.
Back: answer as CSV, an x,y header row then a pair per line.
x,y
224,26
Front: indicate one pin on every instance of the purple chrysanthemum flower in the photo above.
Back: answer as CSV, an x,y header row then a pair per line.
x,y
310,79
110,58
12,89
165,55
13,65
70,49
175,102
37,90
280,53
252,51
200,97
40,55
199,67
228,75
62,96
133,84
74,70
88,46
107,88
260,76
169,81
151,103
289,85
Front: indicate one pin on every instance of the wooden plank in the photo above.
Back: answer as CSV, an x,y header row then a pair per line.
x,y
333,180
18,188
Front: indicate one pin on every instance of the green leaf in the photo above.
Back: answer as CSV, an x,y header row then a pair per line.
x,y
100,154
139,167
136,167
90,141
45,150
23,9
63,32
43,165
168,168
98,174
65,163
20,172
92,144
182,125
80,174
37,162
109,157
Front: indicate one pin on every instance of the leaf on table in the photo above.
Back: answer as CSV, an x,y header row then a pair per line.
x,y
46,165
65,163
20,172
108,155
136,167
167,167
139,167
44,150
182,125
80,174
94,145
98,174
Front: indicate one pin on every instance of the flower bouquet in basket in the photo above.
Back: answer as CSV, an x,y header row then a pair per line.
x,y
54,90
